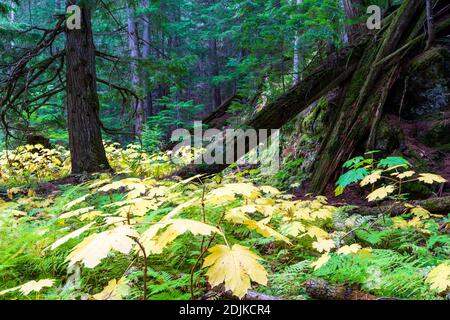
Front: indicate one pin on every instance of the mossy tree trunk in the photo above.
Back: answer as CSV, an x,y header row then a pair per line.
x,y
367,91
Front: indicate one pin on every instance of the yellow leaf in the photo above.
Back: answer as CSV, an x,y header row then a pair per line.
x,y
266,231
11,192
421,212
439,277
317,232
321,261
323,213
75,213
18,213
399,223
71,235
431,178
76,201
36,286
99,183
293,228
96,247
236,215
229,191
372,178
176,227
380,193
129,183
91,215
324,245
365,252
236,267
115,290
406,174
269,189
354,248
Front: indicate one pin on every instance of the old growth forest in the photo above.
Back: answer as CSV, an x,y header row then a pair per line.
x,y
348,200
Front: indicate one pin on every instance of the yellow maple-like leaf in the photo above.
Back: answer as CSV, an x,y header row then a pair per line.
x,y
116,185
36,286
229,191
304,213
316,232
439,277
155,244
264,230
371,178
354,248
381,193
137,190
321,261
236,267
293,229
399,223
96,247
430,178
115,290
71,235
324,245
420,212
323,213
269,189
99,183
405,174
236,215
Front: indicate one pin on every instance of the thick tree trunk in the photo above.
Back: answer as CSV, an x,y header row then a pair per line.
x,y
84,126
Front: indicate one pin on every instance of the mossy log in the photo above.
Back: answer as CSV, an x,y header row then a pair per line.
x,y
323,290
434,205
370,84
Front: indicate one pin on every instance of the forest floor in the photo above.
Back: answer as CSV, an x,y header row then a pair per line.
x,y
297,247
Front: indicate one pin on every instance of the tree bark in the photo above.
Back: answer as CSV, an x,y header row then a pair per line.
x,y
430,24
146,52
362,100
352,11
133,44
84,126
297,55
